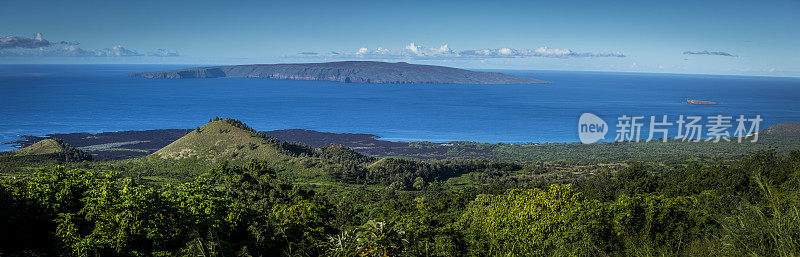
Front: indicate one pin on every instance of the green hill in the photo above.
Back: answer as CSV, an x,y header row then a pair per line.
x,y
44,153
55,148
231,141
228,140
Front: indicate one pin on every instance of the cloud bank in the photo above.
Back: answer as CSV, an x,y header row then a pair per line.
x,y
163,53
538,52
22,42
705,52
39,47
73,51
417,51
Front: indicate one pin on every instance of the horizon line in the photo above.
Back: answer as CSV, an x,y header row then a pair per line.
x,y
195,65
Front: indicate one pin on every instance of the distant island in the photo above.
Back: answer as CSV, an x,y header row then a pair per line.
x,y
698,102
348,72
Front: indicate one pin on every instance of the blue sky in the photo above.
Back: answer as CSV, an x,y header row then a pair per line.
x,y
761,37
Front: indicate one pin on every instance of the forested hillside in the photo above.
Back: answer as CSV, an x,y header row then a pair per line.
x,y
226,190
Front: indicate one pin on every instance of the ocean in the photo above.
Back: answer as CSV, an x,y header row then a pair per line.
x,y
42,99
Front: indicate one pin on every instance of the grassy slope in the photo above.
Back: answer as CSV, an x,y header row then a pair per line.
x,y
46,146
47,152
218,141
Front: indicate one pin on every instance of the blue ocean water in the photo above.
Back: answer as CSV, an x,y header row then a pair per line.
x,y
42,99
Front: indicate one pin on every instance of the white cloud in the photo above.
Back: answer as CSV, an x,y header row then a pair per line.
x,y
23,42
538,52
706,52
116,51
381,50
505,51
417,51
40,47
163,53
414,48
365,52
444,49
75,51
545,51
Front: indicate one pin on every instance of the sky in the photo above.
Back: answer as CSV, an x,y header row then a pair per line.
x,y
759,38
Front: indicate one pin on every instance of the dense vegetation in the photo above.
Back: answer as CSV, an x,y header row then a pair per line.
x,y
671,152
247,194
745,208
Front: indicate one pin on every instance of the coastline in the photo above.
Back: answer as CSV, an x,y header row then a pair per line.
x,y
131,144
122,145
